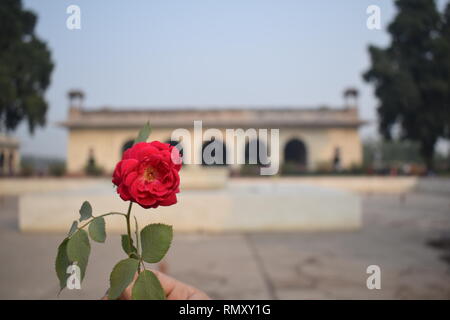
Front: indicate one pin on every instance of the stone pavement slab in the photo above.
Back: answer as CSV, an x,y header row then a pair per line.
x,y
282,265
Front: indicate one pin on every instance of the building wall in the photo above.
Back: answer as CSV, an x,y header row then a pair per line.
x,y
107,144
321,144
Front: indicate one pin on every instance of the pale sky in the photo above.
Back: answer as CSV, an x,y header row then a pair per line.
x,y
198,52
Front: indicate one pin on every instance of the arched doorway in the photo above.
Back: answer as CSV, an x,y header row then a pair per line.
x,y
296,154
214,153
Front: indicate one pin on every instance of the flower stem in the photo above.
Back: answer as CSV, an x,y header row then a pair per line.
x,y
103,215
143,265
128,227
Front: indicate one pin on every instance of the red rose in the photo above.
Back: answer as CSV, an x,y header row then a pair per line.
x,y
147,175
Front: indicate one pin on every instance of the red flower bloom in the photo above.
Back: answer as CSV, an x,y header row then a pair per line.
x,y
147,175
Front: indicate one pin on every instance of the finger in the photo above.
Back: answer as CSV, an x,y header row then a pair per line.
x,y
173,289
105,296
177,290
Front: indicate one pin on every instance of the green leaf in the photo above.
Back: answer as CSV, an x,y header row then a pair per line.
x,y
121,276
61,264
144,133
147,287
125,246
85,211
78,250
97,230
73,228
155,241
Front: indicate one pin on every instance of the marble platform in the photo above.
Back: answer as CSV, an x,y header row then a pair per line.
x,y
238,206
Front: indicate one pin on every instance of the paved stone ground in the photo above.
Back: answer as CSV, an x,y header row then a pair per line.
x,y
320,265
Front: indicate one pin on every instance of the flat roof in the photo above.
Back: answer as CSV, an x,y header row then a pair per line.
x,y
225,116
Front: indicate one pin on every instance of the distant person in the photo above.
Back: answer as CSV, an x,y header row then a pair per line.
x,y
337,160
91,158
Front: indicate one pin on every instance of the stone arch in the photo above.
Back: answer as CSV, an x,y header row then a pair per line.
x,y
260,148
296,153
215,145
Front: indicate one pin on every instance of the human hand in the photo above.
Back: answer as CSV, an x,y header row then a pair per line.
x,y
173,289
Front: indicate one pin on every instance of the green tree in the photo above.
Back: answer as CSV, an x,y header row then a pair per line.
x,y
25,68
412,75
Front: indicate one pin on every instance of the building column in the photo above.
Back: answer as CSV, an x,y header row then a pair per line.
x,y
6,160
16,161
